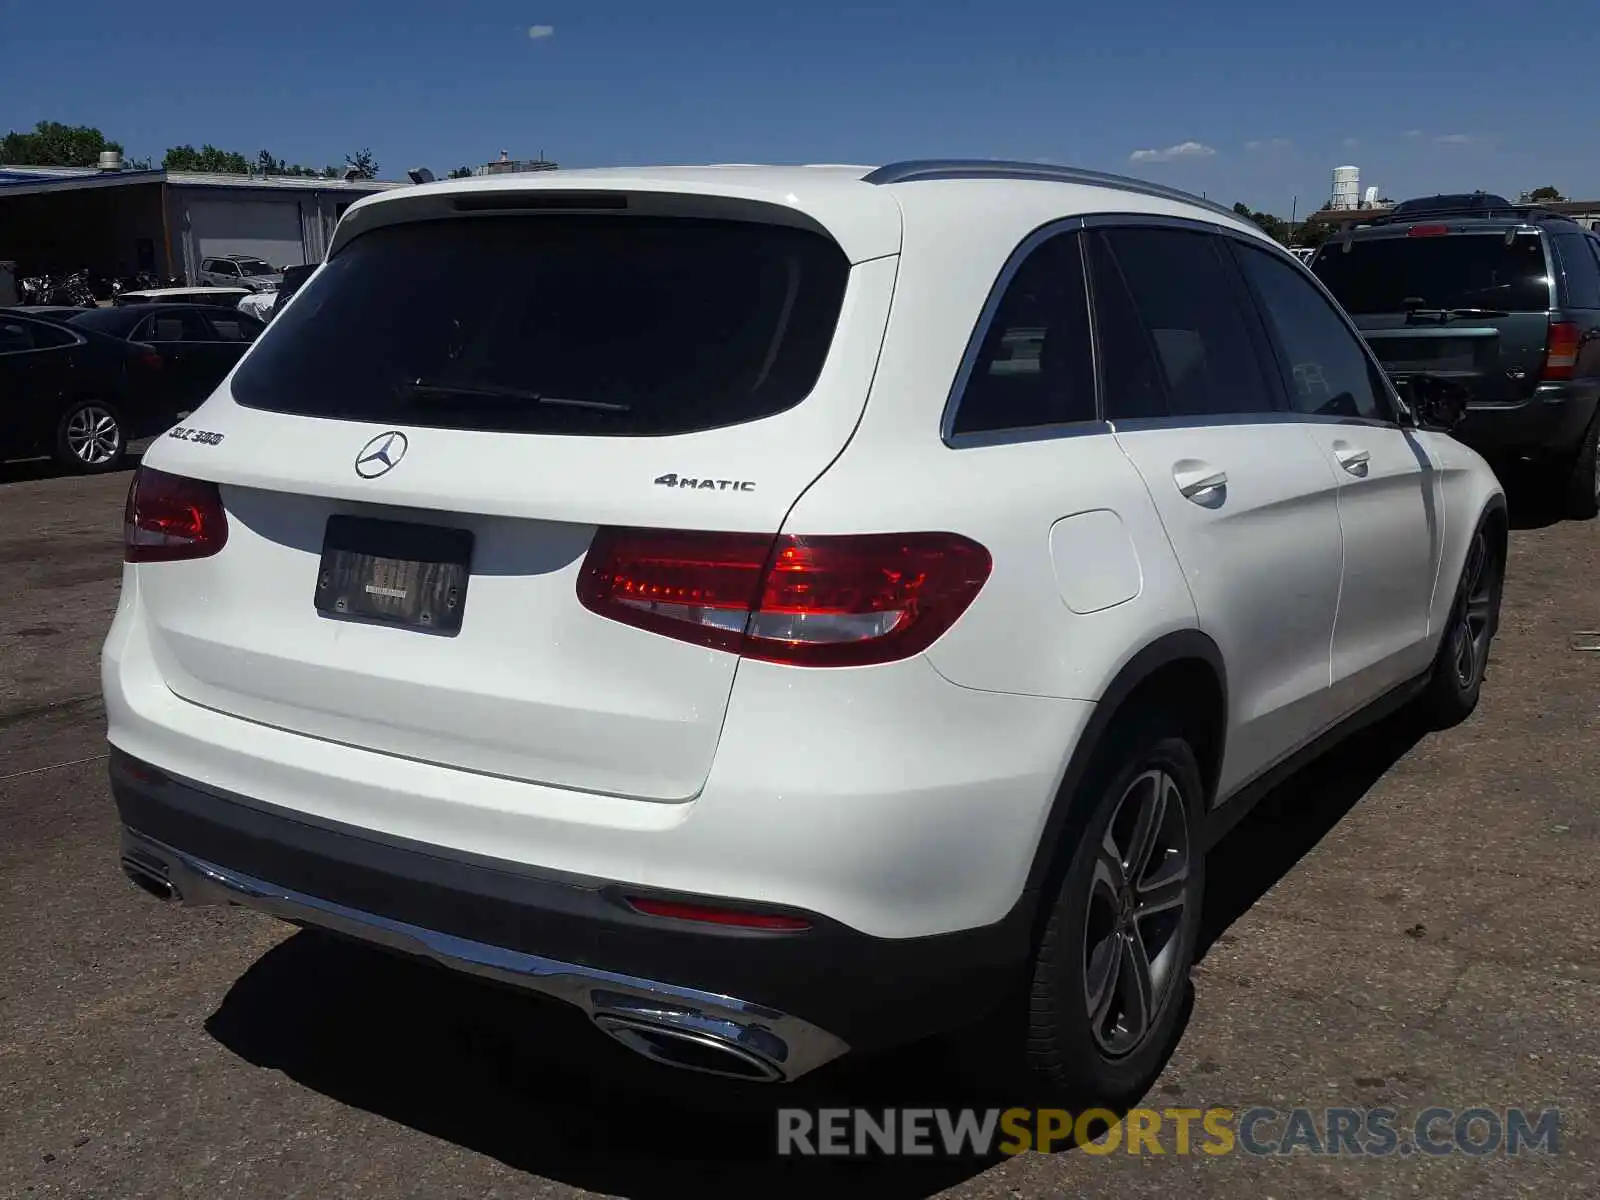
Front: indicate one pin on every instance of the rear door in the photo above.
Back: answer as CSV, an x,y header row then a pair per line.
x,y
189,353
1249,504
1472,304
558,373
232,332
1389,499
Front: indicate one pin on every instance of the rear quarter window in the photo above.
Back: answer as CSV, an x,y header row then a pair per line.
x,y
602,326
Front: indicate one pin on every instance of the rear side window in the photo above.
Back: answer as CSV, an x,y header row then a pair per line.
x,y
1461,270
1174,326
233,327
176,326
1578,270
602,326
1035,366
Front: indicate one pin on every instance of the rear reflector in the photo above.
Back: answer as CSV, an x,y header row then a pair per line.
x,y
171,517
805,601
708,915
1428,231
1561,351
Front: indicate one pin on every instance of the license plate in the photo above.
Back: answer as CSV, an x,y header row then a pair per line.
x,y
414,576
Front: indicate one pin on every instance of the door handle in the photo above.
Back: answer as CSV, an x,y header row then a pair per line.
x,y
1199,482
1352,460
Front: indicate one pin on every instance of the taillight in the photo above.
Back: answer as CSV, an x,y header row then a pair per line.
x,y
171,517
707,914
835,601
1428,231
1560,351
145,356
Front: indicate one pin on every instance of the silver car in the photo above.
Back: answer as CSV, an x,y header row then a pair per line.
x,y
239,270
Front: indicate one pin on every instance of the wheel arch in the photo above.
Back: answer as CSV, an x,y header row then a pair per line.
x,y
1181,673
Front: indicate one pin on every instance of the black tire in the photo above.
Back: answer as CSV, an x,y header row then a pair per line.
x,y
90,437
1075,1047
1580,486
1463,657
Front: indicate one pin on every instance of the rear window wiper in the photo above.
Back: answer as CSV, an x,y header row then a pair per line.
x,y
501,395
1441,315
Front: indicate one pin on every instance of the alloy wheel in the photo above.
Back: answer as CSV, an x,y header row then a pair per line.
x,y
93,435
1469,633
1138,894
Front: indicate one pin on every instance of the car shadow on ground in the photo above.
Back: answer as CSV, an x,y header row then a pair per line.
x,y
1531,501
30,470
532,1084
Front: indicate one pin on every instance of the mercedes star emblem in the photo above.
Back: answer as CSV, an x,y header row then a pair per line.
x,y
381,455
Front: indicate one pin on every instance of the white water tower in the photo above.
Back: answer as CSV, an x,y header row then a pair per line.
x,y
1346,187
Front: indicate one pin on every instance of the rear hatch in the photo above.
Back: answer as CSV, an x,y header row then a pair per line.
x,y
484,392
1470,304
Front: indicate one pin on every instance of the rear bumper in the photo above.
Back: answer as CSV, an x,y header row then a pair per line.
x,y
753,1004
1551,421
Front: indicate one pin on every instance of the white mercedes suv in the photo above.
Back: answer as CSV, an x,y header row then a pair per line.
x,y
785,611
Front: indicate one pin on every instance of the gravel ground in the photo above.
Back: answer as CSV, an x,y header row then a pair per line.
x,y
1407,923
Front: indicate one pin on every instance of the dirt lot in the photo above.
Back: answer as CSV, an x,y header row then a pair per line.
x,y
1408,923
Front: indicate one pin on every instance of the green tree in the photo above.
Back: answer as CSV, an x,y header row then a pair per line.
x,y
52,144
460,173
207,158
362,163
1274,227
1543,195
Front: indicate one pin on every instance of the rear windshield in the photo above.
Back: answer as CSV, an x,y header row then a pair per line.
x,y
603,326
1466,270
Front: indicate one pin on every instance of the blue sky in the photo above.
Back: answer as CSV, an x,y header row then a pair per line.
x,y
1237,98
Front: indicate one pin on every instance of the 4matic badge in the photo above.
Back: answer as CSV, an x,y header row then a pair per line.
x,y
673,480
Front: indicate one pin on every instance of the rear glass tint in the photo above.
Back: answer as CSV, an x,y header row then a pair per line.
x,y
1468,270
603,326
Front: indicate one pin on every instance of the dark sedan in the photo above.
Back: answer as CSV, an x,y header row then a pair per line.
x,y
198,344
75,394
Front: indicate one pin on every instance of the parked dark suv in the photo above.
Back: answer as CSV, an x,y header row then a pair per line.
x,y
1503,299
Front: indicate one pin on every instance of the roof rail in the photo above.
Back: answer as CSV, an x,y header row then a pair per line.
x,y
1527,212
919,170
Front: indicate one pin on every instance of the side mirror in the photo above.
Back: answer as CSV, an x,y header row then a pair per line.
x,y
1436,403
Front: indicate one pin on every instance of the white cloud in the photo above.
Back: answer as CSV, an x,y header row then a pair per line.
x,y
541,31
1352,143
1277,143
1412,133
1453,139
1173,153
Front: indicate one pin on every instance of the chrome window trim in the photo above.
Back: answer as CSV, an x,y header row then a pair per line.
x,y
980,331
1135,424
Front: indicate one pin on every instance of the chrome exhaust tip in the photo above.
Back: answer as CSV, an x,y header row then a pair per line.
x,y
149,879
689,1050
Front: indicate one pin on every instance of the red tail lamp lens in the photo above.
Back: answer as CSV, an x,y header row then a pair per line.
x,y
806,601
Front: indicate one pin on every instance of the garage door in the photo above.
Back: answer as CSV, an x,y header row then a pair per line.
x,y
268,229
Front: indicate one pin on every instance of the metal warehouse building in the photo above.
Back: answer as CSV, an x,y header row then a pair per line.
x,y
114,222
